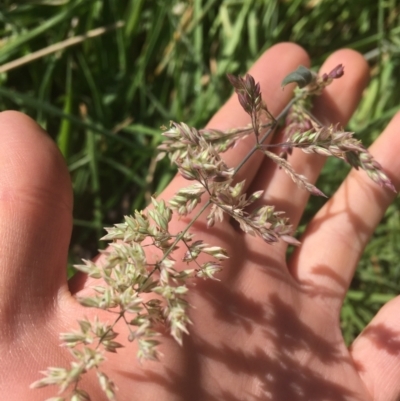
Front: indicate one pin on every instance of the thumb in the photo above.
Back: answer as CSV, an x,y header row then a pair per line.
x,y
35,223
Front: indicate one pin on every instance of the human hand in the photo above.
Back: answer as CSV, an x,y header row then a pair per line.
x,y
269,330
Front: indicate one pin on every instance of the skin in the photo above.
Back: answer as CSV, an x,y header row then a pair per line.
x,y
269,330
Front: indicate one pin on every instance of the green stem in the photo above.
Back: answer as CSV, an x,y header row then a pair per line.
x,y
120,315
181,234
266,135
311,115
178,238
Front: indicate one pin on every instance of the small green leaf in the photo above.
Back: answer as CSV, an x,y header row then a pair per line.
x,y
302,76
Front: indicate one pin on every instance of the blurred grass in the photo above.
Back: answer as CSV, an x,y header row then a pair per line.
x,y
104,99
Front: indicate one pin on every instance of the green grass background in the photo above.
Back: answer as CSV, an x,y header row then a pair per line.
x,y
104,99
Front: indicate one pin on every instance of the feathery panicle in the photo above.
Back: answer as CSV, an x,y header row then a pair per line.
x,y
143,292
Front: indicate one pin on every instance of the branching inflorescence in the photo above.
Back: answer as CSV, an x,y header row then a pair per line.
x,y
144,293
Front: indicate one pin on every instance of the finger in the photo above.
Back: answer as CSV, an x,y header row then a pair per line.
x,y
335,105
376,354
336,237
35,222
288,56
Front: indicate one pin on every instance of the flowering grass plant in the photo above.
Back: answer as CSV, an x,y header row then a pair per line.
x,y
142,281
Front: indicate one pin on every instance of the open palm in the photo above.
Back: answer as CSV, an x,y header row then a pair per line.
x,y
269,330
